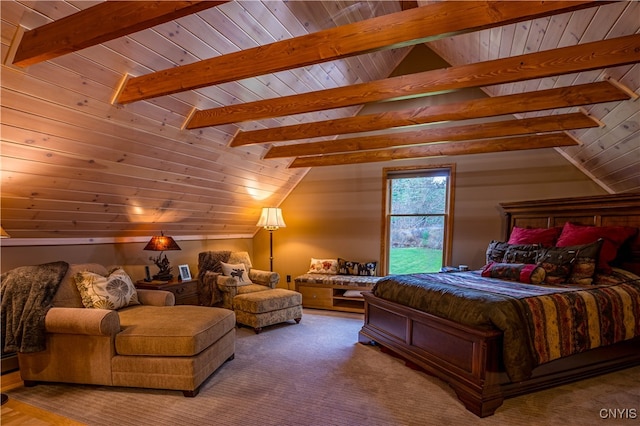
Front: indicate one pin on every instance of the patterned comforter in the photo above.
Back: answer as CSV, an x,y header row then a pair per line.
x,y
540,323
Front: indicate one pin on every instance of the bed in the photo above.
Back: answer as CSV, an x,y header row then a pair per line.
x,y
477,359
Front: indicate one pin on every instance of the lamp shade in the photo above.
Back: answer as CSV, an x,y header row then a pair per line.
x,y
161,243
3,233
271,219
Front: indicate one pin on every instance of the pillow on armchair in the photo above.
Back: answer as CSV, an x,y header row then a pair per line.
x,y
238,271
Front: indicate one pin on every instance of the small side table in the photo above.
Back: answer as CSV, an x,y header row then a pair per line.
x,y
186,292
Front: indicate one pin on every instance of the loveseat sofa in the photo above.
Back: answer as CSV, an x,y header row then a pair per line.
x,y
152,344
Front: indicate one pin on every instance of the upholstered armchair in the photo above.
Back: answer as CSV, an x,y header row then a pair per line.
x,y
215,288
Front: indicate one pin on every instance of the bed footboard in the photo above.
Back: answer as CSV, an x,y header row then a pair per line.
x,y
469,359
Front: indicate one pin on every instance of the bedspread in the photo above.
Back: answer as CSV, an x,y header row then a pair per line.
x,y
540,323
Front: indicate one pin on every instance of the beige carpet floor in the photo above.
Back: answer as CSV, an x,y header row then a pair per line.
x,y
315,373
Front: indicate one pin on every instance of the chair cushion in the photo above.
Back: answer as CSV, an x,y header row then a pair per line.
x,y
252,288
182,330
267,301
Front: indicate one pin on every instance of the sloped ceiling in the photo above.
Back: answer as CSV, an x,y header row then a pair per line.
x,y
76,163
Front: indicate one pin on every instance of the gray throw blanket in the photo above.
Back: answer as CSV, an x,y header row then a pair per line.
x,y
26,295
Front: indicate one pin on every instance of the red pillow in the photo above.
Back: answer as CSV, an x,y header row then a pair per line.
x,y
545,236
613,236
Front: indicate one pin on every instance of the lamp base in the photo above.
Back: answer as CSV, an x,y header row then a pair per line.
x,y
163,277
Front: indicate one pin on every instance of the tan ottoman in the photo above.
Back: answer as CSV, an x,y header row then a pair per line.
x,y
263,308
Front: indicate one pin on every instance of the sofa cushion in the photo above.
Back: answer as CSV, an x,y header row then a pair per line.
x,y
68,295
182,330
267,301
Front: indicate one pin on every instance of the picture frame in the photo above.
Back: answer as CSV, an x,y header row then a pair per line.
x,y
185,273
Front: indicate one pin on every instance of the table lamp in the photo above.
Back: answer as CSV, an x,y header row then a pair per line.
x,y
161,243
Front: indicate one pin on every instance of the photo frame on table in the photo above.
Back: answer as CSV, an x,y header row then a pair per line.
x,y
185,273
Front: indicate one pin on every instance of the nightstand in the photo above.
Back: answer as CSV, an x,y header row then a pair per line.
x,y
186,292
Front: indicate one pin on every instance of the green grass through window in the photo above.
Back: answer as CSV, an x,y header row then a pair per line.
x,y
414,260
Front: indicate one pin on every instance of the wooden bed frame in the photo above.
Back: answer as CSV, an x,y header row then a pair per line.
x,y
469,359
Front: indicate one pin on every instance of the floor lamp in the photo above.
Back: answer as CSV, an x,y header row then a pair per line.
x,y
271,219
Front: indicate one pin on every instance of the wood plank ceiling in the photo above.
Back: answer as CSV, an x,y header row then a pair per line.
x,y
188,117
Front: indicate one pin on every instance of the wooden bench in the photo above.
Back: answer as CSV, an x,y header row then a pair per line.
x,y
334,292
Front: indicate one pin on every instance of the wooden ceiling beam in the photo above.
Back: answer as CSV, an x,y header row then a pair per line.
x,y
549,140
562,97
564,60
495,129
404,28
98,24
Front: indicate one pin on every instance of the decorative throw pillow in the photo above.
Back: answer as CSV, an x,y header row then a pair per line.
x,y
584,267
524,273
515,254
558,263
237,271
497,249
544,236
613,237
323,266
369,269
348,267
114,291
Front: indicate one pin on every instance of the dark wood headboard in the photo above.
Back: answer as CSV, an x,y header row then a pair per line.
x,y
602,210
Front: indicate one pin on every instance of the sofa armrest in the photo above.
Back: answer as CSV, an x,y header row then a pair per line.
x,y
82,321
156,297
266,278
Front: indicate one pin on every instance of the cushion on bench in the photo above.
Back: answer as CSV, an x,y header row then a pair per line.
x,y
346,280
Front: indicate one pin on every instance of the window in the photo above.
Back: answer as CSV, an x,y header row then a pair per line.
x,y
417,224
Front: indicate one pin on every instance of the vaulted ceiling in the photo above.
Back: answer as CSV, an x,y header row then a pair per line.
x,y
188,117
